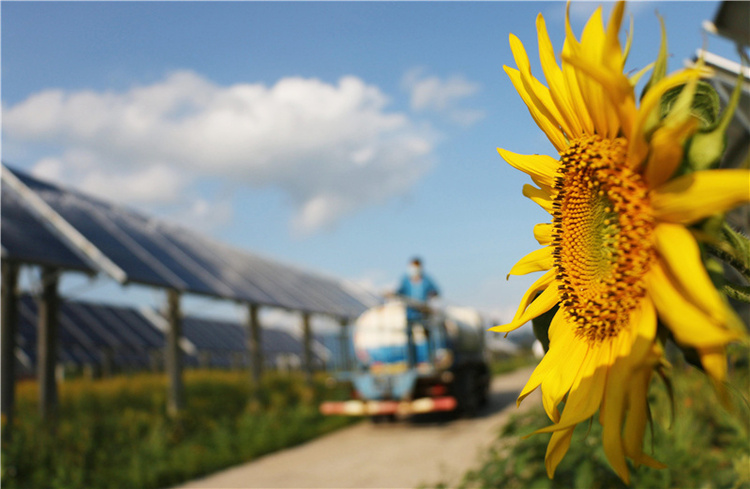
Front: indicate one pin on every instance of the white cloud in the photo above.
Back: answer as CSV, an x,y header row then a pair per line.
x,y
332,148
442,95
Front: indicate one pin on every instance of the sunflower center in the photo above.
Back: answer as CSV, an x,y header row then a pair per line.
x,y
602,236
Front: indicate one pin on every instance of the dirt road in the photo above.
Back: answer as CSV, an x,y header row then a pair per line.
x,y
400,455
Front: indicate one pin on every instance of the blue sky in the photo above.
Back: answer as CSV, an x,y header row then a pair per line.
x,y
343,137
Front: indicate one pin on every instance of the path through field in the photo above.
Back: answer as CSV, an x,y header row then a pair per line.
x,y
405,454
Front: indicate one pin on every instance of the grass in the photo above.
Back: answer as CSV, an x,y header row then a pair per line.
x,y
704,446
114,433
508,364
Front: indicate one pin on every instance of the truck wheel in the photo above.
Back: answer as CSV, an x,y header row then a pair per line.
x,y
468,398
383,418
484,395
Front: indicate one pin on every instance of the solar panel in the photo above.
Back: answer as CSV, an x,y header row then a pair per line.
x,y
134,248
95,335
88,334
25,239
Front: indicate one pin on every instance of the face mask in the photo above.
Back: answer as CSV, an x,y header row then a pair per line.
x,y
415,271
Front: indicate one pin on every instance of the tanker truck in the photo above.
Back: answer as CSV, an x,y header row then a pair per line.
x,y
436,362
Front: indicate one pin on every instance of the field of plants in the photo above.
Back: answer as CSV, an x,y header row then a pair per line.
x,y
703,445
114,433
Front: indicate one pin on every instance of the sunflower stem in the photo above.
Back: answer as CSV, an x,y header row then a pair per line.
x,y
733,248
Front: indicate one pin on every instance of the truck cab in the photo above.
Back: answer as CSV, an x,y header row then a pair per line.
x,y
414,359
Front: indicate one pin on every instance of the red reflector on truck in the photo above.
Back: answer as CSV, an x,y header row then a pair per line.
x,y
369,408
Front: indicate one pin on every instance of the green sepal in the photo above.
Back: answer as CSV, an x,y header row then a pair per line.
x,y
660,65
659,72
737,292
705,105
707,146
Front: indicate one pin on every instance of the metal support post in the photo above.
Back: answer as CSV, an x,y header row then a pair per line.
x,y
173,360
344,345
47,344
8,326
254,344
307,347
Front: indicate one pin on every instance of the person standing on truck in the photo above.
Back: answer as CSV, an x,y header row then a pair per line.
x,y
416,286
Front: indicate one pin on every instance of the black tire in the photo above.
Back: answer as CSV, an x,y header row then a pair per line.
x,y
484,393
383,418
467,393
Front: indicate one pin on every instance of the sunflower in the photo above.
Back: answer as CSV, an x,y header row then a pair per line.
x,y
617,253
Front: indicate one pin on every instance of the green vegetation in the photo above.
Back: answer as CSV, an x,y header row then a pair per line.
x,y
704,446
508,364
114,433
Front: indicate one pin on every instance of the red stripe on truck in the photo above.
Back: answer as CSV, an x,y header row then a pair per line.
x,y
369,408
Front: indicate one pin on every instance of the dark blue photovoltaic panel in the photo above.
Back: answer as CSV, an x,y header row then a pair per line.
x,y
225,342
92,334
209,257
88,333
157,254
25,239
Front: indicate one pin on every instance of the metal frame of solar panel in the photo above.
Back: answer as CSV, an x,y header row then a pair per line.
x,y
154,253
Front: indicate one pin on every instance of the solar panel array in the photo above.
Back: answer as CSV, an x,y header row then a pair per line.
x,y
135,248
124,339
223,343
95,335
25,239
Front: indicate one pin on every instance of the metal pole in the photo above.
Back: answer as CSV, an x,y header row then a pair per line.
x,y
254,345
8,325
344,345
176,393
307,347
47,344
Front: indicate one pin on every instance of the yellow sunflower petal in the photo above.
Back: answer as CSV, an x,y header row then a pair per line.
x,y
620,105
543,233
541,283
540,196
540,94
667,150
628,360
682,260
595,95
585,395
556,450
541,168
612,54
635,423
637,417
550,361
536,261
714,361
612,412
543,303
689,324
571,352
695,196
549,127
561,95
